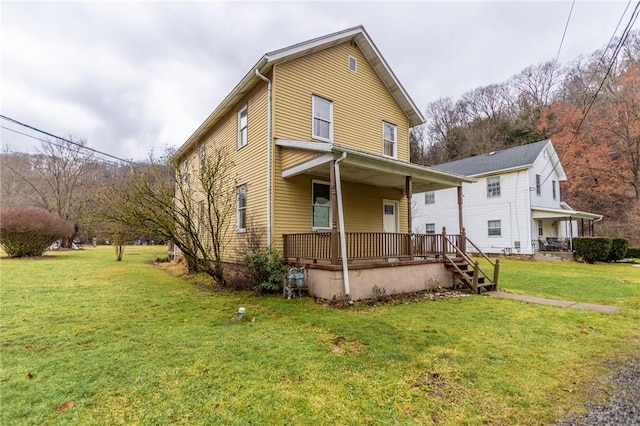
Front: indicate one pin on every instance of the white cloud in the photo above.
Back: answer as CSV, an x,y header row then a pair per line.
x,y
129,77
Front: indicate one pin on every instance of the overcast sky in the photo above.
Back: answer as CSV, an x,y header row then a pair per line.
x,y
131,77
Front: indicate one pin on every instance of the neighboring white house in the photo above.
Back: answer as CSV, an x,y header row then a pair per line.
x,y
514,207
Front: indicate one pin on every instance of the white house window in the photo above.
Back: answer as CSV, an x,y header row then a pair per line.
x,y
201,218
540,228
353,64
554,189
321,205
322,119
241,208
495,228
185,172
242,127
430,228
493,186
203,156
429,197
389,137
538,185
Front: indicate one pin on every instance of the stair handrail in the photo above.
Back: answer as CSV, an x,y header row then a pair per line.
x,y
496,264
472,283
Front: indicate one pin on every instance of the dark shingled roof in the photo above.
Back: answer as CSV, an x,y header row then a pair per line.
x,y
510,158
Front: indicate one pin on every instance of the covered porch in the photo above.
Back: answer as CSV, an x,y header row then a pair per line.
x,y
344,263
556,228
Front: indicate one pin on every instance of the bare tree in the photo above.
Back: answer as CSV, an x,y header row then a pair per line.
x,y
192,207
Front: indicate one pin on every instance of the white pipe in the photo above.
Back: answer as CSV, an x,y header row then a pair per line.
x,y
343,237
269,143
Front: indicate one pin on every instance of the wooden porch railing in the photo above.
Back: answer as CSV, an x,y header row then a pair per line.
x,y
369,245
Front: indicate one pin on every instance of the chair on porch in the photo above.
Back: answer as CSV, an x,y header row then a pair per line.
x,y
543,245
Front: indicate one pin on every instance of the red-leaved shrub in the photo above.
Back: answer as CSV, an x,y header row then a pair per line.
x,y
30,231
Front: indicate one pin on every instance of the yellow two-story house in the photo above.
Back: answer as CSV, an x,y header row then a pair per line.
x,y
319,140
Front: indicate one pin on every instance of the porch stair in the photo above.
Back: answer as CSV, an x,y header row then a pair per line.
x,y
463,276
466,271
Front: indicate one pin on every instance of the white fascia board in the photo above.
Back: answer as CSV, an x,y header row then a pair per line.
x,y
544,213
502,171
303,167
305,145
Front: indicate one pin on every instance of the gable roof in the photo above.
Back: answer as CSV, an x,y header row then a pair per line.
x,y
516,158
356,34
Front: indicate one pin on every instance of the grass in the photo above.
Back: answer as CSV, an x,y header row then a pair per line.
x,y
128,343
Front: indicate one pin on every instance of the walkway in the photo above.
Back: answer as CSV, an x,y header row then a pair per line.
x,y
554,302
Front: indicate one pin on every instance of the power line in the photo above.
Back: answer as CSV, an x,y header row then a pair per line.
x,y
63,139
50,142
616,51
565,30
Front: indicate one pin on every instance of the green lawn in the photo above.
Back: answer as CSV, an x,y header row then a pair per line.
x,y
129,344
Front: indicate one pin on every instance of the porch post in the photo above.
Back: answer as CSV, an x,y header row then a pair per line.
x,y
335,243
582,226
460,222
570,234
409,193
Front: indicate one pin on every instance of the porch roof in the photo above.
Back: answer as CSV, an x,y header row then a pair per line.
x,y
545,213
363,167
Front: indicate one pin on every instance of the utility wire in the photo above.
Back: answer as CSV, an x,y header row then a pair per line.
x,y
565,30
616,51
63,139
50,142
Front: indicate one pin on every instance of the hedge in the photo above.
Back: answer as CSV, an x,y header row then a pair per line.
x,y
592,249
618,250
633,253
30,231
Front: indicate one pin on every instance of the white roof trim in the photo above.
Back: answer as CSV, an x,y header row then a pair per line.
x,y
264,65
303,167
546,213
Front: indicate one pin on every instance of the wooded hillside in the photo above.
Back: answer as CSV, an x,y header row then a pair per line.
x,y
590,109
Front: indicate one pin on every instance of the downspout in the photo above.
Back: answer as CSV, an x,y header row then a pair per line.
x,y
343,237
268,156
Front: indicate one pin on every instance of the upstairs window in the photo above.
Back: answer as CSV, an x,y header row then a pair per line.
x,y
554,190
353,64
321,206
203,156
429,197
241,208
242,127
322,119
185,172
538,185
493,186
495,228
389,137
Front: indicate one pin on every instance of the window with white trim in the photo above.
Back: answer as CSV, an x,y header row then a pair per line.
x,y
493,186
430,228
242,127
554,189
538,185
185,172
429,197
203,156
241,208
389,139
201,218
540,228
322,119
353,64
321,205
495,228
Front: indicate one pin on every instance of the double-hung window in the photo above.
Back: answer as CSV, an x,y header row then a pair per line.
x,y
554,189
185,172
242,127
321,206
430,228
495,228
493,186
322,119
538,185
389,139
203,156
429,197
241,208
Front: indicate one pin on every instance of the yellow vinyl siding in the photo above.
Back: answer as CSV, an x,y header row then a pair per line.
x,y
293,157
249,162
361,102
363,211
